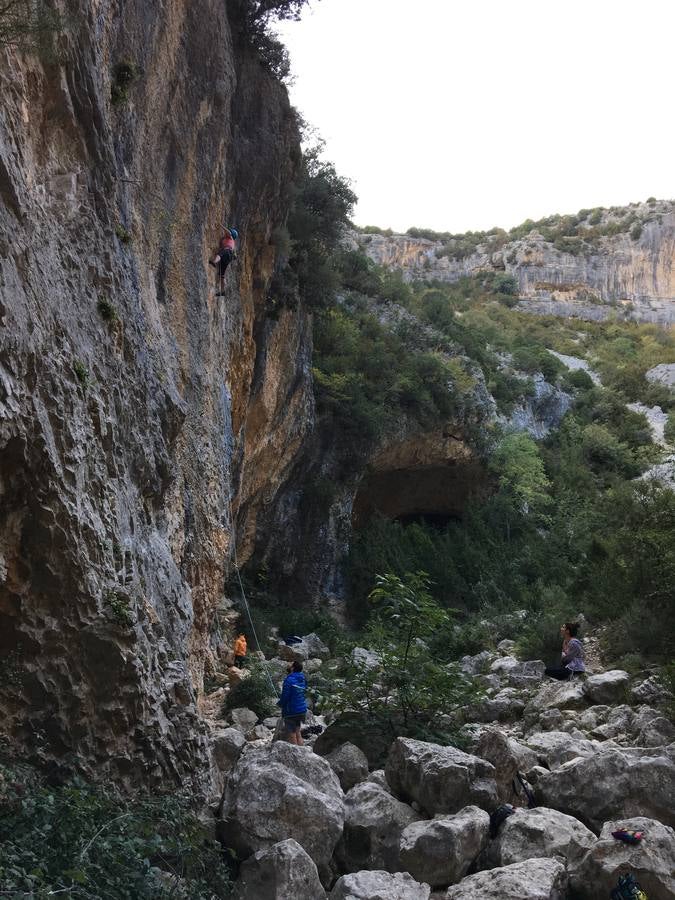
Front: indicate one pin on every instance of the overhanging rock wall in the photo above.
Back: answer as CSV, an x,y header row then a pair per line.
x,y
121,439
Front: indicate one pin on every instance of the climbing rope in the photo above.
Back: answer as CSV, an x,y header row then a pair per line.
x,y
233,548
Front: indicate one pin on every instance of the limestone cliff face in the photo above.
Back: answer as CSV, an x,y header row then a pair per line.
x,y
122,441
635,274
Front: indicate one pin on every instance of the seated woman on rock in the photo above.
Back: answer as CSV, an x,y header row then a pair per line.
x,y
572,654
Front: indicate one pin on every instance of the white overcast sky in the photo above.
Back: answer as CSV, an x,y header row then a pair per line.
x,y
464,114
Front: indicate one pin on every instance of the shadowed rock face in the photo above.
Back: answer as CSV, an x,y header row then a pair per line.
x,y
429,476
122,439
435,494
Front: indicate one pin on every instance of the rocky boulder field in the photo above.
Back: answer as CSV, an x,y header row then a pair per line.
x,y
596,754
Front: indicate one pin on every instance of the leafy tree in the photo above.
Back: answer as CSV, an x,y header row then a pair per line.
x,y
264,10
255,17
409,689
523,482
320,212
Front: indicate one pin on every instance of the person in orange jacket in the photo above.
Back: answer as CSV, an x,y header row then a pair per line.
x,y
240,650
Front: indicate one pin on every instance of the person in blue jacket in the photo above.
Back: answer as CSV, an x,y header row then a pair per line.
x,y
293,704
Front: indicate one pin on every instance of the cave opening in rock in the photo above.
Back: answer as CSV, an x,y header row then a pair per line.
x,y
435,495
439,521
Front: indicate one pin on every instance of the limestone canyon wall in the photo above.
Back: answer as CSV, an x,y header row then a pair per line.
x,y
133,403
619,275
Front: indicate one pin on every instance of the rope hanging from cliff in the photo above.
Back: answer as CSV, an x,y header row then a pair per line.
x,y
233,538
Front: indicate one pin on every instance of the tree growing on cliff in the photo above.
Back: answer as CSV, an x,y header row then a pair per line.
x,y
320,213
255,18
264,10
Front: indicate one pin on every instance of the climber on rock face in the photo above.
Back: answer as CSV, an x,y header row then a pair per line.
x,y
223,257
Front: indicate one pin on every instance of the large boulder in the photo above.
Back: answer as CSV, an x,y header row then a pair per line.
x,y
613,783
374,822
379,886
554,748
607,687
243,719
440,779
652,861
475,665
507,704
281,871
441,851
650,690
557,695
617,722
524,756
534,879
657,732
227,745
380,779
311,646
365,659
278,792
538,833
371,737
495,747
517,673
349,764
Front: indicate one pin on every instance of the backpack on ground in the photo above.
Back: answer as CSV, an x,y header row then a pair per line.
x,y
628,889
498,817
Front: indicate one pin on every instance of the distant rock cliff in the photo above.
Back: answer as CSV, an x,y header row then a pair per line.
x,y
589,273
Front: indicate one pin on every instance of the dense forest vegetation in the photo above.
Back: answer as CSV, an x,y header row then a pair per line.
x,y
571,527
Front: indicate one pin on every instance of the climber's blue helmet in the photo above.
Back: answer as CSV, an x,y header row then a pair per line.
x,y
234,233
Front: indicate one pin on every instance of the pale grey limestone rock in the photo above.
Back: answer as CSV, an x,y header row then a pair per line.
x,y
279,792
440,779
280,872
441,851
379,886
374,821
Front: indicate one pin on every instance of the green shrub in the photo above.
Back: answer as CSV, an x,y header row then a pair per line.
x,y
505,284
124,75
107,311
123,235
580,380
81,372
604,451
118,605
374,229
636,231
669,429
85,841
254,692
